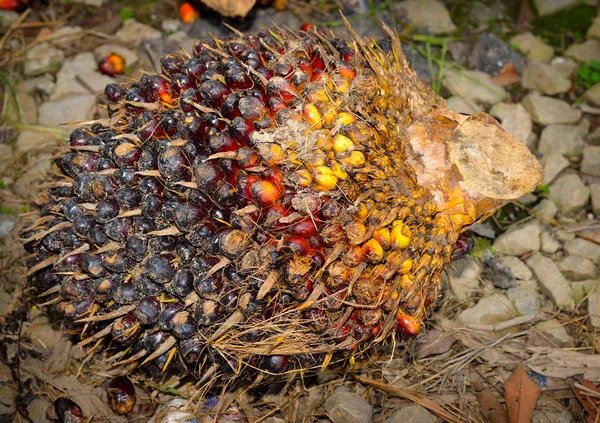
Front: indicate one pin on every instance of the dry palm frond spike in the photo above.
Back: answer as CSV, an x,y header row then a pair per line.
x,y
277,202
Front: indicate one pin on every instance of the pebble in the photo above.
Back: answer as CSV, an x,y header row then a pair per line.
x,y
549,244
595,194
553,163
585,248
413,413
547,110
484,229
7,18
491,54
577,268
170,25
181,39
517,267
594,137
524,297
584,127
592,95
548,7
498,272
563,139
532,46
594,29
565,66
82,68
475,86
42,85
131,58
520,239
515,120
556,330
569,193
593,309
430,14
546,209
132,32
591,160
95,3
544,78
347,407
7,223
489,310
32,141
528,199
460,105
552,282
71,109
464,277
24,187
42,58
585,52
581,289
27,111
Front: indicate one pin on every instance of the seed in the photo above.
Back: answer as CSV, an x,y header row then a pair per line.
x,y
265,193
400,236
121,395
372,251
312,115
112,65
406,325
325,178
353,158
383,236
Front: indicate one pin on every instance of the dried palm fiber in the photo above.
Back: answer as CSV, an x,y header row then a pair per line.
x,y
272,202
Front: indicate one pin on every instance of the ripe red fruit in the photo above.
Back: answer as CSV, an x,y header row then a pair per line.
x,y
187,13
112,65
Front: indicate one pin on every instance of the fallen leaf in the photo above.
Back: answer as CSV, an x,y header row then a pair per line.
x,y
508,75
433,342
490,406
555,362
521,395
587,401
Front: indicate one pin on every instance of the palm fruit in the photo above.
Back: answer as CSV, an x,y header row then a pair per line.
x,y
274,202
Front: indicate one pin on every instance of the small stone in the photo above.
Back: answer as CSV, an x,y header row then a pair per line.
x,y
592,96
489,310
585,248
517,267
83,68
7,223
546,209
484,229
27,110
581,289
577,268
42,58
40,85
37,171
347,407
491,54
524,297
552,282
413,413
563,139
528,199
181,39
95,3
544,78
514,118
460,105
498,272
584,127
133,32
532,46
591,160
475,86
463,277
565,66
564,236
519,240
569,193
547,110
7,18
72,109
593,137
31,141
554,163
593,309
594,29
595,193
170,25
557,331
548,7
430,14
585,52
548,243
131,58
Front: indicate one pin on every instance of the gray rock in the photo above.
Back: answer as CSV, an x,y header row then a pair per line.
x,y
498,272
585,52
72,109
564,235
577,268
517,267
581,289
595,193
475,86
594,29
460,105
594,137
525,297
131,58
552,282
7,18
514,118
592,96
413,413
182,40
42,58
483,229
556,330
26,111
548,243
170,25
347,407
528,199
591,160
25,186
532,46
547,110
490,55
584,127
7,223
544,78
548,7
95,3
593,309
519,240
569,193
585,248
132,32
565,66
464,277
430,14
546,209
80,68
40,85
33,141
489,310
554,163
563,139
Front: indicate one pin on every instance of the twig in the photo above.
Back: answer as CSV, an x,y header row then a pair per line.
x,y
507,324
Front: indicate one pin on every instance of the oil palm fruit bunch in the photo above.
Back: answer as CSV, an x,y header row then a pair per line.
x,y
270,203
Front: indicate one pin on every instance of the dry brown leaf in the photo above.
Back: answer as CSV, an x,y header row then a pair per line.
x,y
508,75
555,362
521,395
490,406
433,342
587,401
231,8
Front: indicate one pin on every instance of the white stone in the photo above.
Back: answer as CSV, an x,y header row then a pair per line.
x,y
595,193
514,118
546,209
525,297
585,52
474,85
565,66
577,268
555,329
42,58
544,78
548,7
520,239
594,309
552,282
581,289
489,310
95,3
563,139
548,244
31,141
463,277
532,46
72,109
134,33
83,68
594,29
547,110
591,160
413,413
517,267
430,14
460,105
592,95
347,407
569,193
554,164
585,248
170,25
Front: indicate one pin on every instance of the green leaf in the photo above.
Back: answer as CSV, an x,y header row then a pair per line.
x,y
126,13
584,72
594,64
595,77
545,188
